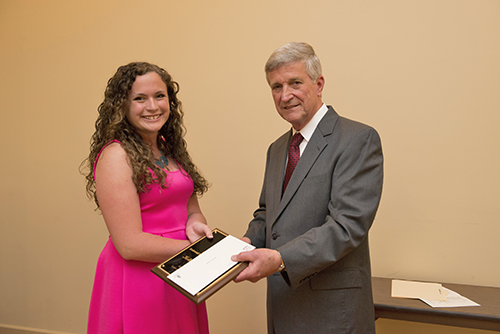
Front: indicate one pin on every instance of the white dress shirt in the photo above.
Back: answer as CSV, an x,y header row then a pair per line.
x,y
308,130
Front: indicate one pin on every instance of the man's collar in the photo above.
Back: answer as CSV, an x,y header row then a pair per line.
x,y
307,131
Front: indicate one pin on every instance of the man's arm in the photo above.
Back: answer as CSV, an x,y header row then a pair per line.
x,y
256,231
354,197
355,192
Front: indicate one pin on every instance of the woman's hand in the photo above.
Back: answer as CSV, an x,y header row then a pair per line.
x,y
196,230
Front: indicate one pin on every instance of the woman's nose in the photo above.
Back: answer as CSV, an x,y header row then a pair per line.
x,y
151,104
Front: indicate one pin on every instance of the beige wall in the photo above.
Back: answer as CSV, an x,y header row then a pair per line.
x,y
424,73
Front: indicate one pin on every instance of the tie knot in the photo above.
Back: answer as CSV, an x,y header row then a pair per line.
x,y
296,139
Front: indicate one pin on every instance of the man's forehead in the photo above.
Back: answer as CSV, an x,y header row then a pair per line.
x,y
287,72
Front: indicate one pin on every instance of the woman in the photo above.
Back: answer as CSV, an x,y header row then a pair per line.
x,y
146,186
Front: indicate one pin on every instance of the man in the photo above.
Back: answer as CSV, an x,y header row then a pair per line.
x,y
311,231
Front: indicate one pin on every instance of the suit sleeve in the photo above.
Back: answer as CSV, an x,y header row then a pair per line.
x,y
356,187
256,231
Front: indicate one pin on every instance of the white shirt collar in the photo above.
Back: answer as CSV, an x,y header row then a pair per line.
x,y
308,130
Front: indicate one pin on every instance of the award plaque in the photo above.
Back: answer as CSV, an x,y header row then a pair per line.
x,y
205,266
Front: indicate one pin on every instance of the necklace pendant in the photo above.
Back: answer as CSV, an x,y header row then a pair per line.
x,y
163,162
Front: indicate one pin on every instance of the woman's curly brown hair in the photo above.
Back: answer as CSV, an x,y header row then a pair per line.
x,y
112,124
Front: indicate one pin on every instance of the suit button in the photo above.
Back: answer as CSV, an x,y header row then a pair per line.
x,y
275,236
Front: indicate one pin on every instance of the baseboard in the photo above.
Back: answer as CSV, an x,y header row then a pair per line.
x,y
9,329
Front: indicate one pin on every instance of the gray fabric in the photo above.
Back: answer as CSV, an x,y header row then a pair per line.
x,y
320,227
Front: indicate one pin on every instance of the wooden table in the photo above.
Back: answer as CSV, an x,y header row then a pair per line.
x,y
486,316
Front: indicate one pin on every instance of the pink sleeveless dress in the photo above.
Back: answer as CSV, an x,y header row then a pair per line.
x,y
127,297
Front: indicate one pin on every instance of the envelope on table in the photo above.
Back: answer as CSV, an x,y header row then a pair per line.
x,y
418,290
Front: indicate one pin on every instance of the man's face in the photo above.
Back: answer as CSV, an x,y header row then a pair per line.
x,y
296,96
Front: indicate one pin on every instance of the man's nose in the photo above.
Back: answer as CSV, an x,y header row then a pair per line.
x,y
286,94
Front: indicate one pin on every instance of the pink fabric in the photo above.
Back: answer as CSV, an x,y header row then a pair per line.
x,y
127,298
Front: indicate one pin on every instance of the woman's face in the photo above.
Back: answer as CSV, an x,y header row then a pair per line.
x,y
148,106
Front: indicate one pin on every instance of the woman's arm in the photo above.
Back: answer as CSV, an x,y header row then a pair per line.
x,y
196,226
120,207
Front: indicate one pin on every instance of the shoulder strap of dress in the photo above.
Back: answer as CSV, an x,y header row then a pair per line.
x,y
99,154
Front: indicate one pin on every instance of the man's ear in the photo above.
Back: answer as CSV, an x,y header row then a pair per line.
x,y
320,84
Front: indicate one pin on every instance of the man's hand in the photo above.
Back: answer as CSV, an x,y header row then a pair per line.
x,y
263,262
247,240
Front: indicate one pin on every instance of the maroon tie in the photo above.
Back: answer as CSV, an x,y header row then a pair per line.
x,y
293,157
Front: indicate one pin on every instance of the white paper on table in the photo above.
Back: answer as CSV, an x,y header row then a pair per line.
x,y
453,299
417,290
209,265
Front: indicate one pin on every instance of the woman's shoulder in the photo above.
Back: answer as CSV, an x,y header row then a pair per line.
x,y
112,146
112,156
113,151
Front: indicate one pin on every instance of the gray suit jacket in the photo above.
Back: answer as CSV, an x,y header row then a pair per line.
x,y
320,227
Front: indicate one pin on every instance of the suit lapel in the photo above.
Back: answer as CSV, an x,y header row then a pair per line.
x,y
313,150
278,161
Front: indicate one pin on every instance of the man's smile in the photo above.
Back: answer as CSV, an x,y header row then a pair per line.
x,y
287,107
